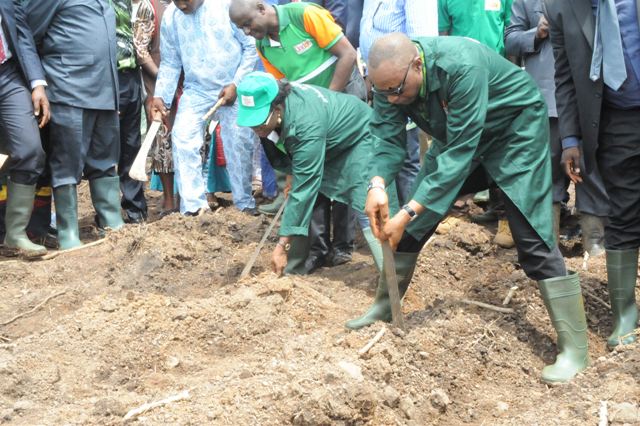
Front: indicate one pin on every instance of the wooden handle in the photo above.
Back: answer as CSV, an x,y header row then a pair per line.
x,y
213,109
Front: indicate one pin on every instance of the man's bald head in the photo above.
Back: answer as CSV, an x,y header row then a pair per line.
x,y
254,17
395,68
396,48
242,8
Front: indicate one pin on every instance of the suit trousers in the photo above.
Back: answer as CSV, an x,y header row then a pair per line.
x,y
19,133
133,202
591,195
84,142
619,163
538,261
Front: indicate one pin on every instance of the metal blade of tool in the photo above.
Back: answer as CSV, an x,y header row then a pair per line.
x,y
139,167
389,271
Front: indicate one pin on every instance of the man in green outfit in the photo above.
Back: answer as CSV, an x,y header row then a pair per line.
x,y
487,118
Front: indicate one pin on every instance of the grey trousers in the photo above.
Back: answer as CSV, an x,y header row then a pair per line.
x,y
19,133
84,142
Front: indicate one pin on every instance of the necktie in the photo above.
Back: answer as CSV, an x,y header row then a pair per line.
x,y
607,47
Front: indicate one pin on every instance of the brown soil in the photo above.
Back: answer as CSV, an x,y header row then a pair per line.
x,y
158,309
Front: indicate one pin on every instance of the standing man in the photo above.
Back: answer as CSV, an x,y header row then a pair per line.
x,y
302,43
76,40
414,18
527,36
133,201
23,107
197,36
487,117
337,8
597,49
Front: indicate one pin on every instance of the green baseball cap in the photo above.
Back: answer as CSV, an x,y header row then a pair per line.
x,y
256,91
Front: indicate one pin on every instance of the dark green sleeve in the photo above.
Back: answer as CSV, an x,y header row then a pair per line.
x,y
278,159
308,153
389,130
467,97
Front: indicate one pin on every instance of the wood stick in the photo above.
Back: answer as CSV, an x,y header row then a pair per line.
x,y
594,297
38,306
373,341
487,306
213,109
507,299
59,252
151,405
255,254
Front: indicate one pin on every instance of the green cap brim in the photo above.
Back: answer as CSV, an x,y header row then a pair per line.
x,y
252,117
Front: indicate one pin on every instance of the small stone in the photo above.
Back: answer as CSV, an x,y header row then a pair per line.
x,y
391,396
502,406
398,332
172,362
423,355
6,414
22,405
109,305
624,412
245,374
406,406
354,371
440,400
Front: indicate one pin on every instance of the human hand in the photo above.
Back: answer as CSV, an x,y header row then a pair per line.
x,y
394,228
542,31
40,105
228,93
571,161
279,260
158,109
377,210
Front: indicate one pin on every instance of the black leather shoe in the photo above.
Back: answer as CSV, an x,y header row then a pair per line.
x,y
134,217
313,263
251,211
340,257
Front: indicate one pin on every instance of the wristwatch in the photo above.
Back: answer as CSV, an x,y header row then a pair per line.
x,y
411,212
375,185
285,246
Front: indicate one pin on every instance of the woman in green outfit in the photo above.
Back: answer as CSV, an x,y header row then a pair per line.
x,y
318,136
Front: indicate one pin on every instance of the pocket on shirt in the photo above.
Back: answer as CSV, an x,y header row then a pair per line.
x,y
388,16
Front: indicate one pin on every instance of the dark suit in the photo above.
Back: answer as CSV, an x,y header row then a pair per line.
x,y
610,137
76,40
520,40
19,134
338,9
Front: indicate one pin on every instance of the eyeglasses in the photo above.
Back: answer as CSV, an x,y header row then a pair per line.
x,y
259,126
398,90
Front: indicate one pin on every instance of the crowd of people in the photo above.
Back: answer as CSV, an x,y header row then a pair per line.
x,y
323,105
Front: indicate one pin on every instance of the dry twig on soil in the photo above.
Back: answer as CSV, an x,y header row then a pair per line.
x,y
487,306
151,405
59,252
38,306
7,345
373,341
512,291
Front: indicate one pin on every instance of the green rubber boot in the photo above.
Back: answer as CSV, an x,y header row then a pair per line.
x,y
563,298
18,213
381,308
375,247
272,208
105,195
622,270
66,201
297,255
